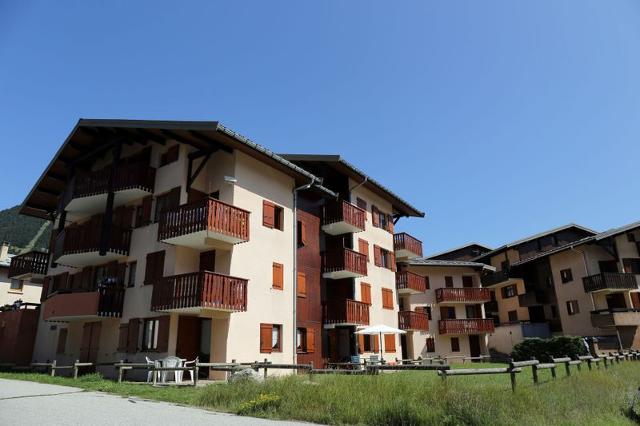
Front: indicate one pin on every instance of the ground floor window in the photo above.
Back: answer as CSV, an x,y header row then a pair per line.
x,y
16,284
270,338
431,344
455,344
513,316
150,336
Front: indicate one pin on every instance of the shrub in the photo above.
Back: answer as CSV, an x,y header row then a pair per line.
x,y
545,349
262,404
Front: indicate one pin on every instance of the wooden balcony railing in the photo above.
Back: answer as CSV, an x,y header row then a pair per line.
x,y
493,278
605,318
462,295
33,262
533,298
465,326
86,237
343,211
346,311
610,281
404,241
110,300
409,320
207,214
105,299
204,289
345,259
406,280
127,176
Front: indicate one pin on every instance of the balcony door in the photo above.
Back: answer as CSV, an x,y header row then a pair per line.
x,y
608,266
616,301
474,345
208,261
447,312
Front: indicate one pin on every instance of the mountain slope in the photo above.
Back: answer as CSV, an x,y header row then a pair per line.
x,y
19,230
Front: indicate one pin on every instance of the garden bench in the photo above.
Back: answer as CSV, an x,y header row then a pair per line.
x,y
511,370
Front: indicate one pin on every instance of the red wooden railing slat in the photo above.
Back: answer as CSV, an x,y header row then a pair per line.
x,y
466,294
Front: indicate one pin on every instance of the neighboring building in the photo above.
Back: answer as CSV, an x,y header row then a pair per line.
x,y
441,305
187,239
20,291
567,281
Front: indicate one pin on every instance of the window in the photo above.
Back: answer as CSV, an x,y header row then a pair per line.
x,y
389,342
448,282
301,229
368,343
430,344
447,312
427,310
467,281
302,284
504,265
272,215
566,276
362,204
631,238
62,341
631,266
278,276
572,307
170,156
363,247
143,212
384,258
167,201
387,298
455,344
270,338
154,268
16,284
305,340
365,293
549,280
509,291
131,282
513,316
150,334
426,282
381,220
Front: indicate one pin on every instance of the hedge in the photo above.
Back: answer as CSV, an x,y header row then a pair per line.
x,y
545,349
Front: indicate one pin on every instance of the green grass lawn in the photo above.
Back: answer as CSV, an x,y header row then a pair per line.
x,y
587,398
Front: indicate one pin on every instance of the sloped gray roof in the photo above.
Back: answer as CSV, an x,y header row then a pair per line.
x,y
422,261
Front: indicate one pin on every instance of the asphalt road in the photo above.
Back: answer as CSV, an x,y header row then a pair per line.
x,y
29,403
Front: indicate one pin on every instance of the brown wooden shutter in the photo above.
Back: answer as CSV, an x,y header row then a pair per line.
x,y
268,214
363,247
123,332
311,340
154,268
163,333
390,223
389,342
635,299
278,276
145,216
365,293
375,218
133,331
62,340
392,260
426,282
174,199
172,154
265,338
377,255
302,284
376,343
45,288
387,298
303,233
360,343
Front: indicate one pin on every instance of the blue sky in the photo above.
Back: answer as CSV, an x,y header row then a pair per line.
x,y
498,118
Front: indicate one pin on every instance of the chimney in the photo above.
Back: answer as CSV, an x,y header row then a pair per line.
x,y
4,250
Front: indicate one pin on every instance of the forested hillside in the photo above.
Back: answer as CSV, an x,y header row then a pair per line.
x,y
18,230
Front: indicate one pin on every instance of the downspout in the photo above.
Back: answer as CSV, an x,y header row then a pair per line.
x,y
366,179
295,265
586,271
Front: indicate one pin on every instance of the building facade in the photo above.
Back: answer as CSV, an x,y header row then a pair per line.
x,y
187,239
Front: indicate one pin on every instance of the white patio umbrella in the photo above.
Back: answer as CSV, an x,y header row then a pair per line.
x,y
380,329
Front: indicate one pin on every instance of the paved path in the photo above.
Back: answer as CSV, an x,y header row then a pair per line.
x,y
30,403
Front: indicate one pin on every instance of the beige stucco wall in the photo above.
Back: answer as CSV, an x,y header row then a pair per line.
x,y
510,303
30,292
377,277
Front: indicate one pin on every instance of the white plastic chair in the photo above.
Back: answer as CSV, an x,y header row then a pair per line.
x,y
150,362
169,362
186,363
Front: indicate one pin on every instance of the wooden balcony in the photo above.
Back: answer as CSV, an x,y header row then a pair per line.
x,y
610,281
82,305
410,283
200,291
31,265
86,193
471,295
342,217
204,224
533,298
413,321
493,278
345,312
609,318
79,245
344,263
406,247
465,326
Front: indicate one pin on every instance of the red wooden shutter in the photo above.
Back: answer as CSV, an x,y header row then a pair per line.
x,y
363,247
303,232
360,343
133,331
376,343
278,276
45,288
311,340
392,260
365,293
390,223
389,342
163,333
377,255
123,332
302,284
268,214
375,218
145,217
265,338
635,299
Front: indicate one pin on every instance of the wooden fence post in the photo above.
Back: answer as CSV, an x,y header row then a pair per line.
x,y
75,369
265,369
155,375
566,367
534,371
120,371
53,368
553,373
512,374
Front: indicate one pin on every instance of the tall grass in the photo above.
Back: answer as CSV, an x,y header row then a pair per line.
x,y
409,398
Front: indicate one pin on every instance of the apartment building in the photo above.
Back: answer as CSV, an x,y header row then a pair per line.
x,y
187,239
442,305
567,281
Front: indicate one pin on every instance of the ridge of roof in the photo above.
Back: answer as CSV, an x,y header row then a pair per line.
x,y
458,248
422,261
